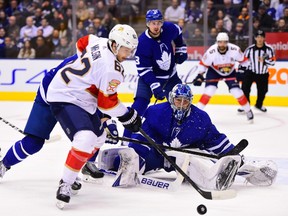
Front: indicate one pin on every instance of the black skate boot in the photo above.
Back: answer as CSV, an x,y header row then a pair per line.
x,y
63,194
76,186
91,173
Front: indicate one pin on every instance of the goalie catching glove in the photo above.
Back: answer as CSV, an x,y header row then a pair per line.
x,y
131,120
112,133
198,80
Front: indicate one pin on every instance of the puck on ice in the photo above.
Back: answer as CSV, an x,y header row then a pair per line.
x,y
201,209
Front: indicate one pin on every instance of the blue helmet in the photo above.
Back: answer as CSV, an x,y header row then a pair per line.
x,y
154,14
184,93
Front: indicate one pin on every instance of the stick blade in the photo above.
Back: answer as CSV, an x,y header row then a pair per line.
x,y
222,195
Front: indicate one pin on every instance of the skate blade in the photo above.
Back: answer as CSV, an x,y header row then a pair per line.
x,y
74,192
60,204
89,179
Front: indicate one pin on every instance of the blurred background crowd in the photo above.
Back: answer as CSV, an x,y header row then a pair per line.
x,y
49,28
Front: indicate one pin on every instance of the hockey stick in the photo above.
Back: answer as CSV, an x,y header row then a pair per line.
x,y
236,150
52,138
214,80
212,195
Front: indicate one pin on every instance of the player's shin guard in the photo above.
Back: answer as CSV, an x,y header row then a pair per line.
x,y
130,165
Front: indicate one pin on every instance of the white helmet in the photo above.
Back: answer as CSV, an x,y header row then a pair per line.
x,y
124,35
222,36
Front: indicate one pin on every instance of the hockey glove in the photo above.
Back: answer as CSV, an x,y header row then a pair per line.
x,y
131,120
181,54
159,93
112,133
198,80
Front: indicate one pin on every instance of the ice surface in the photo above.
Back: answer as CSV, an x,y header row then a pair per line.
x,y
29,188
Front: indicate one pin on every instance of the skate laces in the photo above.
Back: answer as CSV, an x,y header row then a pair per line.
x,y
65,189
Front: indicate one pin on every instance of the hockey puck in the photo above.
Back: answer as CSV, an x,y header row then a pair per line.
x,y
201,209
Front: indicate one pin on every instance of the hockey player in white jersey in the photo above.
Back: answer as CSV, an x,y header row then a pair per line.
x,y
221,61
88,84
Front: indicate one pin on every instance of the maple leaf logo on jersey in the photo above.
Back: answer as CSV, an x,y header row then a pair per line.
x,y
113,85
165,61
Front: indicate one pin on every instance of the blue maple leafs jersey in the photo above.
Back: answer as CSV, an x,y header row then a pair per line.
x,y
196,130
155,57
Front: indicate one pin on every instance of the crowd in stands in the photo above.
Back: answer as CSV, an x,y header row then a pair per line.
x,y
43,28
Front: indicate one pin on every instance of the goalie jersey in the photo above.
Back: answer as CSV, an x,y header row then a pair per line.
x,y
90,81
196,130
155,57
223,64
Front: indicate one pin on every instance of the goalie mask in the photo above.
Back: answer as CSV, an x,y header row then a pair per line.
x,y
180,99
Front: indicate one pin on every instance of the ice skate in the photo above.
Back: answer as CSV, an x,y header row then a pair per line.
x,y
250,116
76,186
63,194
3,169
262,108
91,173
226,178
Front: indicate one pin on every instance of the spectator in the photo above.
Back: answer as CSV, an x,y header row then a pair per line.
x,y
193,14
212,36
2,5
42,49
280,9
81,30
64,31
109,21
27,51
82,12
57,4
281,26
113,8
89,21
29,30
256,25
56,19
12,8
13,29
47,9
33,40
266,21
100,9
219,25
68,19
47,29
230,10
239,36
37,17
54,41
269,10
285,16
25,7
197,38
100,30
3,20
11,50
185,32
65,6
244,17
2,42
227,22
174,12
135,5
63,50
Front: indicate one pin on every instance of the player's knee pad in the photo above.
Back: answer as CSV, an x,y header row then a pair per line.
x,y
236,92
210,90
86,141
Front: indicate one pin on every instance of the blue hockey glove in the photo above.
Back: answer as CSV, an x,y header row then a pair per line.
x,y
112,133
198,80
158,92
131,120
180,54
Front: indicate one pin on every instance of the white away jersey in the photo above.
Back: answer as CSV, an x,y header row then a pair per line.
x,y
90,81
223,64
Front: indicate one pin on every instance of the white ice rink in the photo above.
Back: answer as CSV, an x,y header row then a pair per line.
x,y
29,188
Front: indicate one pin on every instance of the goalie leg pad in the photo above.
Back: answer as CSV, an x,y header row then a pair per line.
x,y
130,165
218,176
259,173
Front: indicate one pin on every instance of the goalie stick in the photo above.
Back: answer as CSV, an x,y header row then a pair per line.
x,y
236,150
212,195
52,138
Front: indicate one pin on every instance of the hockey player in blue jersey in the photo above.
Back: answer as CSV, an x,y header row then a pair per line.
x,y
178,123
156,60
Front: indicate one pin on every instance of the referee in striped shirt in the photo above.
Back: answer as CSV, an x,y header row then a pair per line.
x,y
261,56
